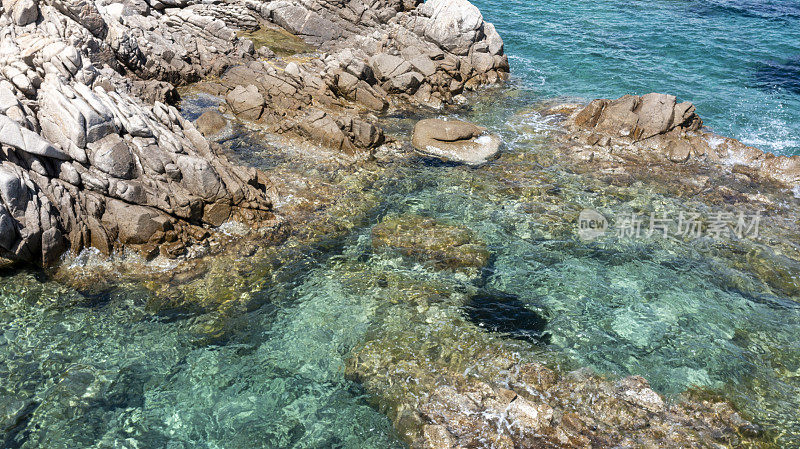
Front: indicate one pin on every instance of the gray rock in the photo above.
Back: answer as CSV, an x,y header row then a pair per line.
x,y
424,65
12,134
8,232
111,155
200,177
246,102
84,12
7,99
95,158
387,66
22,12
322,128
12,191
405,83
493,39
454,24
301,21
482,62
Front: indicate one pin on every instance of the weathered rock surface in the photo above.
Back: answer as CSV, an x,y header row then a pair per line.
x,y
85,163
22,12
210,122
455,140
78,136
370,59
246,102
639,118
655,128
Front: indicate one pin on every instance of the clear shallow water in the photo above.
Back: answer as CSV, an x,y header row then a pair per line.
x,y
81,373
738,61
104,371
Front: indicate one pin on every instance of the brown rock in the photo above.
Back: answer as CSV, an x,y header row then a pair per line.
x,y
321,128
638,118
455,140
210,123
783,168
134,224
437,437
529,415
678,151
216,213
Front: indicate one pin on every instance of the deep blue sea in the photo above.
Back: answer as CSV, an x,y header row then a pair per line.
x,y
738,61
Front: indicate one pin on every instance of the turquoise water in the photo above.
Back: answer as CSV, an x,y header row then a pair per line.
x,y
104,370
89,370
78,373
738,61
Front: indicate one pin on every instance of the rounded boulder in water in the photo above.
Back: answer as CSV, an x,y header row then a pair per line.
x,y
455,141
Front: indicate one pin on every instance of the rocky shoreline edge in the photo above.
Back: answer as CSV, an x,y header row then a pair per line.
x,y
94,155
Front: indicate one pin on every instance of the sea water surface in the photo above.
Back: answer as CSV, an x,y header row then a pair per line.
x,y
738,61
89,370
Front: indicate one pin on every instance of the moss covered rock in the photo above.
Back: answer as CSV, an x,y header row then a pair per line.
x,y
428,240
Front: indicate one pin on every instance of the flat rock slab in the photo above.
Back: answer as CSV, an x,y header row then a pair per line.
x,y
455,141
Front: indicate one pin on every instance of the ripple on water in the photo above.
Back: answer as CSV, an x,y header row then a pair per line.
x,y
83,373
114,376
735,60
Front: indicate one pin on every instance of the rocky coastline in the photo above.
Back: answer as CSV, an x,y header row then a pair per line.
x,y
94,153
94,157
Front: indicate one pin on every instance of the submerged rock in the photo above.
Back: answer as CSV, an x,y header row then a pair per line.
x,y
460,387
210,123
505,313
455,140
431,241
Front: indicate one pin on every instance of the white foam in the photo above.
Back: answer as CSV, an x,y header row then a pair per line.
x,y
92,258
715,141
86,257
775,137
484,139
234,228
796,191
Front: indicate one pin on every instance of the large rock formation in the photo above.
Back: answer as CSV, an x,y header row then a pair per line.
x,y
85,163
370,59
656,128
93,155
